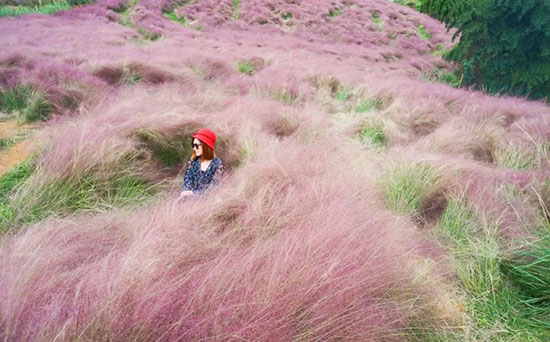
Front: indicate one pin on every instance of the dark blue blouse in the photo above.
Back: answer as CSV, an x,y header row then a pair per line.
x,y
197,180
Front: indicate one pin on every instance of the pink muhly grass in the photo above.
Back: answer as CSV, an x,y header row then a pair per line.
x,y
282,250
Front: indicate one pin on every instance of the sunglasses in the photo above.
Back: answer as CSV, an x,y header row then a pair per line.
x,y
195,146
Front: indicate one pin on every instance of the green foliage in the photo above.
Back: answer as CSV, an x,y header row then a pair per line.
x,y
15,99
245,67
6,11
236,12
406,186
504,45
15,177
42,196
172,16
16,8
169,150
377,21
530,270
444,76
287,15
514,157
344,94
497,306
148,35
9,183
372,133
28,103
416,4
365,105
423,33
334,12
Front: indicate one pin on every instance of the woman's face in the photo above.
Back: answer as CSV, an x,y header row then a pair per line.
x,y
197,147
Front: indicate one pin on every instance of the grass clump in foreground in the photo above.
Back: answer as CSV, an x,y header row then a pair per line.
x,y
9,183
27,195
506,292
408,185
26,102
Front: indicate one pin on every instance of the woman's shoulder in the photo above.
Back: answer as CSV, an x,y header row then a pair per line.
x,y
217,161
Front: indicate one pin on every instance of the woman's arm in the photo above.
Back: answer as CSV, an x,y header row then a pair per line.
x,y
187,178
187,183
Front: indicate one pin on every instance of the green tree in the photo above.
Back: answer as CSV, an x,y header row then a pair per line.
x,y
504,44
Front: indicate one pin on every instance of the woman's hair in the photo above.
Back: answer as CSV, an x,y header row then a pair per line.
x,y
207,152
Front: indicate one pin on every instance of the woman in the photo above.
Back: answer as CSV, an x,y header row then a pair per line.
x,y
204,167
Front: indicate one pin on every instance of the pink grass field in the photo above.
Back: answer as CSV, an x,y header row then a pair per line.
x,y
296,243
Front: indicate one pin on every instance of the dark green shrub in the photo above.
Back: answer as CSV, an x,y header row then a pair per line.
x,y
504,45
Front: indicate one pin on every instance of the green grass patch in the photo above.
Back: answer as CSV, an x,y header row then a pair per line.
x,y
284,96
506,292
423,33
443,76
366,105
287,15
26,102
416,4
372,134
439,50
514,157
377,21
236,9
334,12
245,67
42,196
406,186
9,183
344,94
8,11
168,149
172,16
148,35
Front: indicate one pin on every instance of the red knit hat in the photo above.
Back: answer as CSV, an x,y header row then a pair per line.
x,y
206,136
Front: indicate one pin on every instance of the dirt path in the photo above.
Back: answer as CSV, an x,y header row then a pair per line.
x,y
8,128
15,154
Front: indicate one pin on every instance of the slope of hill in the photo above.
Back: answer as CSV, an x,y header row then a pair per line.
x,y
362,202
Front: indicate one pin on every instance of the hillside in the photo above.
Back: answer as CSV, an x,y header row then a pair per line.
x,y
363,200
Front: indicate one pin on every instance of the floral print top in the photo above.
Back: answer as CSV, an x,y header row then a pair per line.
x,y
197,180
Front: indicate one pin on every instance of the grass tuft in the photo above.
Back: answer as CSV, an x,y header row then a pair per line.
x,y
28,103
334,12
9,11
245,67
169,150
175,18
514,157
236,11
344,94
406,186
287,15
366,105
423,33
377,21
42,196
372,134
